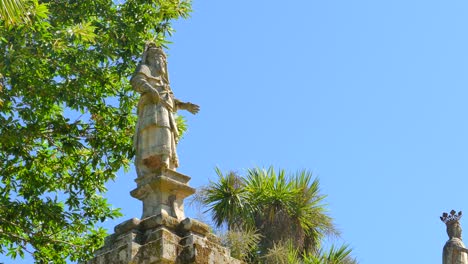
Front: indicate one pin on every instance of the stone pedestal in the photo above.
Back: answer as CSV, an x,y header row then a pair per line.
x,y
163,192
163,235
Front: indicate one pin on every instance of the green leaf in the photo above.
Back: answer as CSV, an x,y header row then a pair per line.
x,y
83,31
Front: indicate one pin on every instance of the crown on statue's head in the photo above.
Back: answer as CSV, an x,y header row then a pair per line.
x,y
451,218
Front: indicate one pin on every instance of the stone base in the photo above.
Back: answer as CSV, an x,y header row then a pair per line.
x,y
164,235
162,239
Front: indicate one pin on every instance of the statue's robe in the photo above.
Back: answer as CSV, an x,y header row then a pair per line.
x,y
156,131
452,253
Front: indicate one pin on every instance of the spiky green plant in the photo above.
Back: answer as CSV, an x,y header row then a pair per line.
x,y
243,243
282,253
226,200
335,255
290,203
282,207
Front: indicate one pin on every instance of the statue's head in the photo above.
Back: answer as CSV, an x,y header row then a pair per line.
x,y
454,230
453,224
152,51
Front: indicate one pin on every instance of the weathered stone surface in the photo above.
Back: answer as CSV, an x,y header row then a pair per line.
x,y
163,239
118,249
164,235
127,226
196,226
163,192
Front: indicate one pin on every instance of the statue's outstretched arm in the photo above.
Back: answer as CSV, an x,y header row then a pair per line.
x,y
192,108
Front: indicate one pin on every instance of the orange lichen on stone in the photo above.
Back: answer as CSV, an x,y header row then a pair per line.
x,y
153,162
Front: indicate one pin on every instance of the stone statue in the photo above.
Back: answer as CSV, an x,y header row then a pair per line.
x,y
156,131
164,234
454,249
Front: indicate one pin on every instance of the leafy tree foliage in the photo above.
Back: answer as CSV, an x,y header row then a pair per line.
x,y
281,217
66,120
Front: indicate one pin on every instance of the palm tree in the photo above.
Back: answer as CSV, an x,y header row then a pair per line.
x,y
279,206
292,204
12,11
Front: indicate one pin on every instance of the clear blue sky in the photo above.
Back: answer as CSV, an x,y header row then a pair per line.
x,y
371,96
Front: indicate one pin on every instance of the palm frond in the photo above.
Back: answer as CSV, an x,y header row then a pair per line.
x,y
12,11
226,199
340,255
